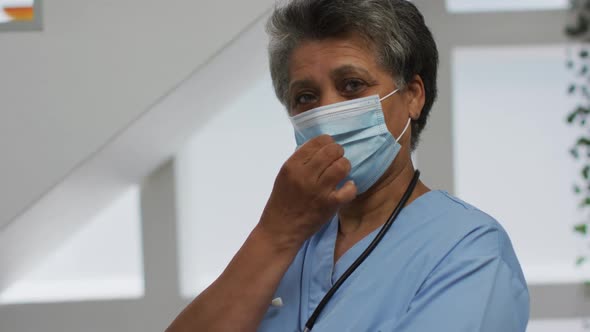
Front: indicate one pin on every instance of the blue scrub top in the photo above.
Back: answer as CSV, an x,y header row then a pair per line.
x,y
443,266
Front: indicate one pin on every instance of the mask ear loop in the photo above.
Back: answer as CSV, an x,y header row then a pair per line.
x,y
409,120
405,129
389,95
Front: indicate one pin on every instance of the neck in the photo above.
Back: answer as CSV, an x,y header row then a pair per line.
x,y
371,209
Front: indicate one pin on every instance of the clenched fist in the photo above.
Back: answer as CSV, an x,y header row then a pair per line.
x,y
305,194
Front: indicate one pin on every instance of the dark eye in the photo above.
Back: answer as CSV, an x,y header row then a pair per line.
x,y
352,86
304,99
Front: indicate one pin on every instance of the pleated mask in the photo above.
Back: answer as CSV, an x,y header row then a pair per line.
x,y
358,125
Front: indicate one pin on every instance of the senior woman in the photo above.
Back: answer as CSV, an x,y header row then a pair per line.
x,y
350,239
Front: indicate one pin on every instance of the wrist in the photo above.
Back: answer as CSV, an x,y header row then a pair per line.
x,y
286,244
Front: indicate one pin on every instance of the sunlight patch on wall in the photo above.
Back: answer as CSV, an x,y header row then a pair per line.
x,y
103,260
511,150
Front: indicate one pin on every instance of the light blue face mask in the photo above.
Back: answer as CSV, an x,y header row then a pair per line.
x,y
359,126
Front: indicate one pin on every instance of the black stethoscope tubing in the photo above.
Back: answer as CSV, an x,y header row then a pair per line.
x,y
316,313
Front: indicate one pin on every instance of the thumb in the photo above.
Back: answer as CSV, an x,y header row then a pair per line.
x,y
345,194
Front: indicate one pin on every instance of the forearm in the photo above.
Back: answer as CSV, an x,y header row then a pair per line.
x,y
238,299
303,198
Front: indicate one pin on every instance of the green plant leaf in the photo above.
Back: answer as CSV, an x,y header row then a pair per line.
x,y
586,172
580,261
579,28
585,202
577,189
581,228
584,70
571,89
583,54
571,117
579,111
583,141
574,153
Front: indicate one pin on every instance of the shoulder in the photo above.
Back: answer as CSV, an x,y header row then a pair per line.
x,y
471,268
471,226
466,232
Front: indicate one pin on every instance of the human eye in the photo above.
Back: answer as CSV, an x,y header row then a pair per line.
x,y
353,86
303,99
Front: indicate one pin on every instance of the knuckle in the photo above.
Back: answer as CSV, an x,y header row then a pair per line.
x,y
286,170
339,150
334,151
336,171
342,167
347,164
324,139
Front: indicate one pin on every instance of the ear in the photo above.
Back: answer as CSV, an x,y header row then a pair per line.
x,y
415,96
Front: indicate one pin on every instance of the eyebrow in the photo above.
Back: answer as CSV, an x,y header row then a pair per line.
x,y
337,73
348,70
306,82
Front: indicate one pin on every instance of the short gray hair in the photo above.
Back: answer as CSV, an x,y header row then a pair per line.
x,y
403,44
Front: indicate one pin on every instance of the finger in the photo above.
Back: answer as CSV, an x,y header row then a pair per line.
x,y
323,159
345,194
335,173
307,150
319,141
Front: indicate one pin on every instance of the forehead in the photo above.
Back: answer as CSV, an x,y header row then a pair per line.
x,y
312,58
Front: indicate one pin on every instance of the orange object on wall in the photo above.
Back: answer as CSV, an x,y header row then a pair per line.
x,y
20,13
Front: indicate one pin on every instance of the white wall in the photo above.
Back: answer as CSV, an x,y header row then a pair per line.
x,y
103,260
150,313
459,6
162,300
105,78
231,162
95,67
512,157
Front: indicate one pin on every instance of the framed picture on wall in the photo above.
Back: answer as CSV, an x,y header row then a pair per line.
x,y
20,15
